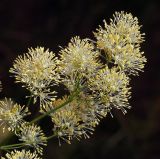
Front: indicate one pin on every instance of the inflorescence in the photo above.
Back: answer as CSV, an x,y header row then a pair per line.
x,y
37,71
21,155
33,136
12,114
95,76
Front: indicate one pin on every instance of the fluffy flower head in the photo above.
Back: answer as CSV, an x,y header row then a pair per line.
x,y
79,56
110,89
78,60
11,114
21,155
74,120
37,71
33,136
120,40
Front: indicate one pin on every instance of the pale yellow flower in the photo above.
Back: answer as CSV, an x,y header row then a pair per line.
x,y
110,89
121,40
95,74
78,60
74,120
12,114
79,56
23,154
33,136
78,118
37,71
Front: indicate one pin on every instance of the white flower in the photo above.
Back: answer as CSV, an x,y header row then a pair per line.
x,y
21,155
120,41
12,114
110,89
78,61
33,136
37,70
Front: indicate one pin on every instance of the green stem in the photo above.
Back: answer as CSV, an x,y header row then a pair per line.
x,y
15,146
29,101
55,109
52,136
70,98
6,147
11,135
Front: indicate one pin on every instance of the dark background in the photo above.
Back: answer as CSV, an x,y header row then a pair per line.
x,y
50,23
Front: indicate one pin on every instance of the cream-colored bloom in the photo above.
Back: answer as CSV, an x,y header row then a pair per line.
x,y
110,89
23,154
67,124
78,60
11,114
74,120
79,56
37,70
121,41
94,85
33,136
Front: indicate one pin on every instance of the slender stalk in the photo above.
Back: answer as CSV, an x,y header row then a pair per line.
x,y
15,146
11,135
52,136
70,98
29,101
6,147
55,109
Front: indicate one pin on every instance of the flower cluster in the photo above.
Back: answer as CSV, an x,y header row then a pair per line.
x,y
78,61
120,40
37,71
96,75
33,136
12,114
108,89
21,155
111,88
74,120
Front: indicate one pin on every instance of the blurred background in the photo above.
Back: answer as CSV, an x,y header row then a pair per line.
x,y
50,23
